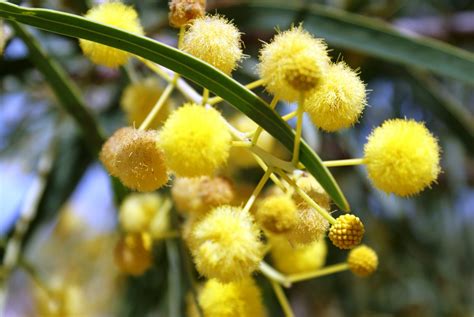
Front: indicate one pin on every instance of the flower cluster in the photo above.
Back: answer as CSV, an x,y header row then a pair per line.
x,y
227,225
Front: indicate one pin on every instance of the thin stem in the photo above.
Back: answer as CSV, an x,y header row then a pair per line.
x,y
258,189
306,197
252,85
259,130
159,104
348,162
285,305
317,273
290,115
241,144
273,274
33,274
299,130
174,279
131,73
169,235
205,96
181,37
265,167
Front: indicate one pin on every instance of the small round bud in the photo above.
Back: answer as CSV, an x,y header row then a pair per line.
x,y
226,244
114,14
133,253
183,12
293,63
134,157
214,40
311,186
362,260
137,211
242,298
347,231
277,214
294,259
339,100
402,157
139,98
195,140
310,227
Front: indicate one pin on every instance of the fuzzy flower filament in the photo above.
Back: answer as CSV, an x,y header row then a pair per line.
x,y
114,14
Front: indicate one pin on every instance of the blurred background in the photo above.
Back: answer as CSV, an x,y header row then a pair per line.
x,y
425,243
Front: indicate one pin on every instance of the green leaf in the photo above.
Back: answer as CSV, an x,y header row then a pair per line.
x,y
63,87
190,67
357,32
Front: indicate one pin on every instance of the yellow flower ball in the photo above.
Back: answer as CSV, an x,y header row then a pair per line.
x,y
291,259
235,299
139,98
137,211
310,227
402,157
226,244
196,141
134,157
114,14
214,40
184,11
200,195
347,231
277,214
311,186
62,299
339,100
293,63
363,261
133,253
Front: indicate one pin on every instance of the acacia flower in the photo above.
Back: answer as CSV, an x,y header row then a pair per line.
x,y
214,40
277,214
114,14
134,157
133,253
362,261
347,231
290,259
292,63
196,141
235,299
402,157
226,244
139,98
339,100
137,211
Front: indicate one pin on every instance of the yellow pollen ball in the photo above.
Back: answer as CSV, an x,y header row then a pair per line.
x,y
277,214
347,231
139,98
294,62
214,40
226,244
310,227
311,186
362,260
133,253
200,195
339,100
402,157
196,141
184,11
137,211
114,14
291,259
235,299
134,157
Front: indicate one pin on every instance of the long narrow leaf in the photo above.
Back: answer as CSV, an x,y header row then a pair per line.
x,y
190,67
357,32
